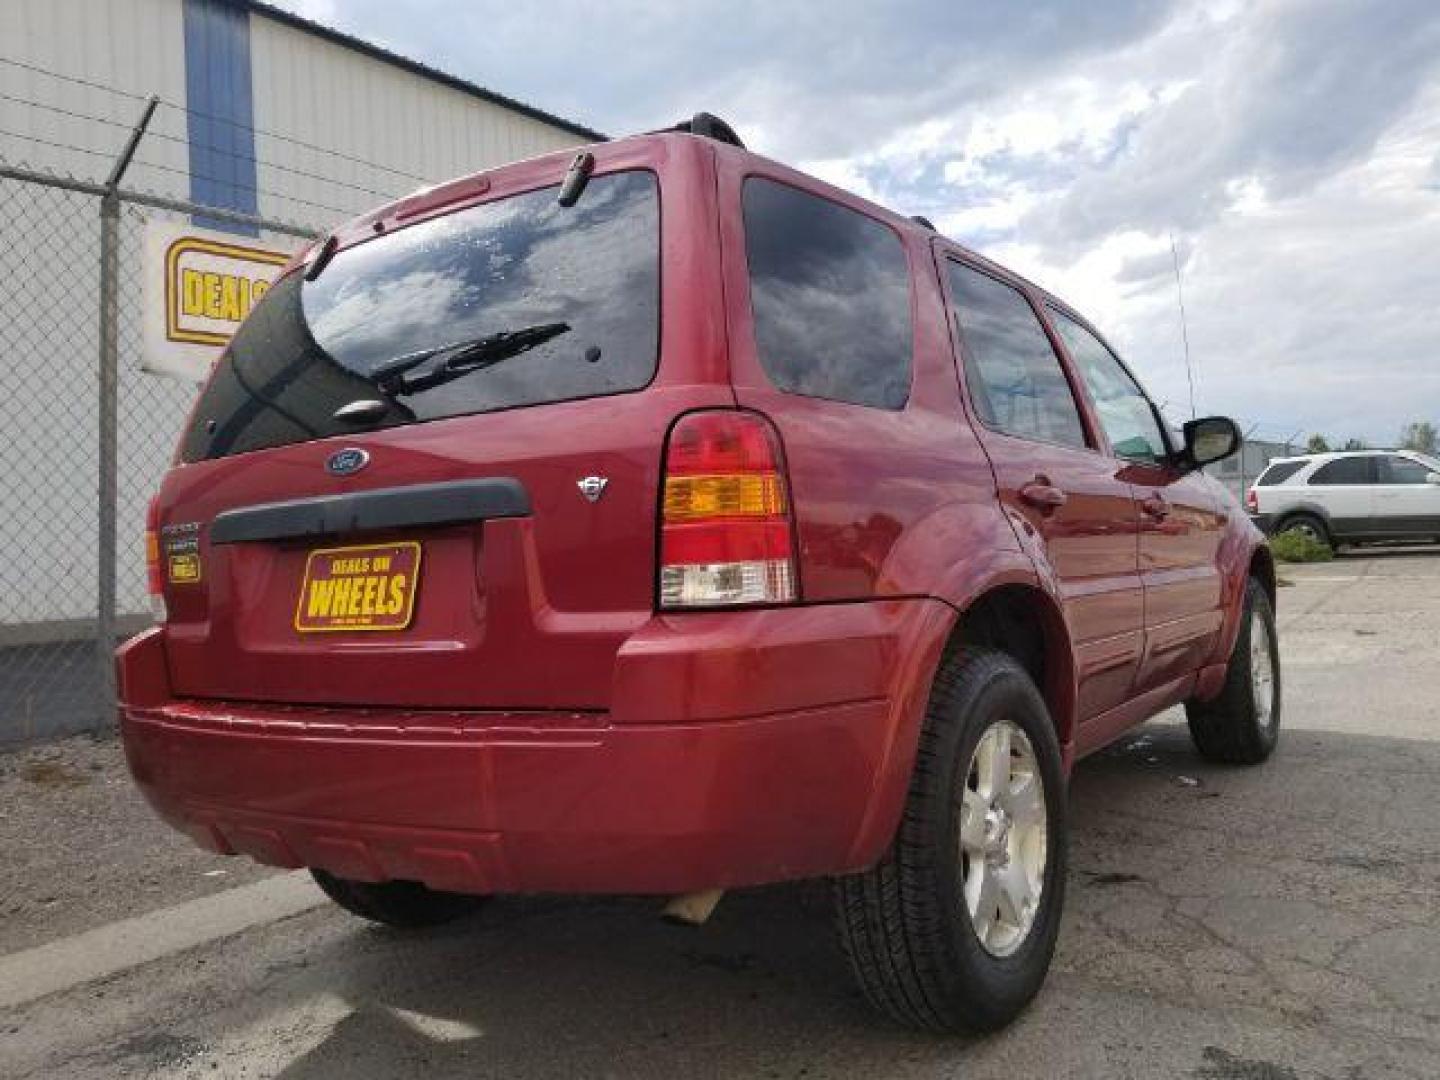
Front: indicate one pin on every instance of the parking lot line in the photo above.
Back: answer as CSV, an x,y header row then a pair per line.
x,y
95,954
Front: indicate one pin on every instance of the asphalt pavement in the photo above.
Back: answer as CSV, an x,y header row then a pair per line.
x,y
1270,923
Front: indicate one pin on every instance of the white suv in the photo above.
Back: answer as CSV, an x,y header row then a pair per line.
x,y
1351,497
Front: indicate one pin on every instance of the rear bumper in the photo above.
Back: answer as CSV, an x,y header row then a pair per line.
x,y
1262,522
741,748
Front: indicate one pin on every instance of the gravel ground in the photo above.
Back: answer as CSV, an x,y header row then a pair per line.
x,y
79,846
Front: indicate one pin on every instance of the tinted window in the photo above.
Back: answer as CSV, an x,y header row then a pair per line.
x,y
1124,410
1351,470
583,281
1014,376
1279,473
1399,470
830,290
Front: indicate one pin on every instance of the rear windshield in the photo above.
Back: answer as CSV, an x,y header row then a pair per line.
x,y
1279,473
516,302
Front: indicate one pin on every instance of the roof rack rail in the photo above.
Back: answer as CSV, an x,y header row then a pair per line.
x,y
921,219
708,126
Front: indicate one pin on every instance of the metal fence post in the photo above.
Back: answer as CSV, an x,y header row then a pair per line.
x,y
109,450
108,389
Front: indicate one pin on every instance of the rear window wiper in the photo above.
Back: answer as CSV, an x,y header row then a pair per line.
x,y
460,358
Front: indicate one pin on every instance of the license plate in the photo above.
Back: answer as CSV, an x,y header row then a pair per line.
x,y
366,587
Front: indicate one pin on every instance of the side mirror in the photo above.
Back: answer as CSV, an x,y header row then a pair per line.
x,y
1210,439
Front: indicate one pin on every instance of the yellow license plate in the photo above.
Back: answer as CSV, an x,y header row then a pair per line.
x,y
366,587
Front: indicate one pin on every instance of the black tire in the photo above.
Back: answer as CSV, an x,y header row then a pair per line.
x,y
904,924
1310,525
403,904
1230,728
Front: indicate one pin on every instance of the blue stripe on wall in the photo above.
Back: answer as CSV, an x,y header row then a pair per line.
x,y
219,96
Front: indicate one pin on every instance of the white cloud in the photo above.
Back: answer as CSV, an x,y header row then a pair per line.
x,y
1292,147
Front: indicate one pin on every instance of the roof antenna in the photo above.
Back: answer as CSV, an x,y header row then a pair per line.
x,y
1184,331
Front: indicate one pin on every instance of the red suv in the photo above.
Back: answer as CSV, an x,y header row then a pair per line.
x,y
659,519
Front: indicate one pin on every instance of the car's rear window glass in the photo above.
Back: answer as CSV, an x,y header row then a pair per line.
x,y
1011,369
1279,473
830,291
576,288
1351,470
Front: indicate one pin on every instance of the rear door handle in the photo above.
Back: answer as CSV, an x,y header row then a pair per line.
x,y
1155,507
1044,496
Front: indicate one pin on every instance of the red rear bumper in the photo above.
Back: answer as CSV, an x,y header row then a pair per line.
x,y
741,748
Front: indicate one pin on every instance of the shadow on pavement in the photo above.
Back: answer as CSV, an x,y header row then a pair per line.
x,y
1305,889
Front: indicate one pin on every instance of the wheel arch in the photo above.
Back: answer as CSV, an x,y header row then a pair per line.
x,y
1301,509
1025,621
1262,568
1008,611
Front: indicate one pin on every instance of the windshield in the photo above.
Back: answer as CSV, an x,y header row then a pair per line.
x,y
515,302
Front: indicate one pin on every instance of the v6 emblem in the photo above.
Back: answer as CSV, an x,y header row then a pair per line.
x,y
592,487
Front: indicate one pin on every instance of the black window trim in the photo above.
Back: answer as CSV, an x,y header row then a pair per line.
x,y
962,350
912,292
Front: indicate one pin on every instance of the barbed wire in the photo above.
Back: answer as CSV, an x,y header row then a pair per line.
x,y
167,137
186,110
185,172
293,140
111,154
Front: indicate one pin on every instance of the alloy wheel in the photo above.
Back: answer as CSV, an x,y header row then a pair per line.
x,y
1003,838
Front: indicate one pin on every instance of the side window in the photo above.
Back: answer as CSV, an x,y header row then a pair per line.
x,y
1015,378
1125,412
830,291
1345,470
1401,470
1279,473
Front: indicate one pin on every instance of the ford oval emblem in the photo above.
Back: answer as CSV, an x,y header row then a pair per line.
x,y
347,462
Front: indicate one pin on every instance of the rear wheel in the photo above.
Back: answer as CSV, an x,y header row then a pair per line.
x,y
1308,526
405,904
1241,725
954,929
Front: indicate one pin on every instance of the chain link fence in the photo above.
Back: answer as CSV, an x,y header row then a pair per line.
x,y
85,437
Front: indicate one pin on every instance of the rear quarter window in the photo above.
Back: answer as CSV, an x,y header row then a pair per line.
x,y
830,293
1279,473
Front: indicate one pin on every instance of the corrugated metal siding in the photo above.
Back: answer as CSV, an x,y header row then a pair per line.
x,y
310,90
136,46
320,92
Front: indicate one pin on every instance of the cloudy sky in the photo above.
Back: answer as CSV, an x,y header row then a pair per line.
x,y
1291,148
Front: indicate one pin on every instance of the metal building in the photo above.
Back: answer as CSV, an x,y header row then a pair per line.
x,y
264,111
261,114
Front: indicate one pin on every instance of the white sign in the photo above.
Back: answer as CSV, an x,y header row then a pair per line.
x,y
199,285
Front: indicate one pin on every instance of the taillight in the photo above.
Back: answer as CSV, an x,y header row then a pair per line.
x,y
726,536
1252,501
154,578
